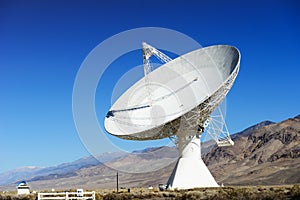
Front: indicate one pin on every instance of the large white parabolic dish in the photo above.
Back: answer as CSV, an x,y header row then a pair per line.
x,y
194,82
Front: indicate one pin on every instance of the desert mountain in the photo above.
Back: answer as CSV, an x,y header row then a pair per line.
x,y
264,154
28,173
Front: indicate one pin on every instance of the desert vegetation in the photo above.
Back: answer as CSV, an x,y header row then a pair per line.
x,y
236,193
14,196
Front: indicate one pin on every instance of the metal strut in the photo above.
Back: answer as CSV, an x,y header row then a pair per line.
x,y
149,51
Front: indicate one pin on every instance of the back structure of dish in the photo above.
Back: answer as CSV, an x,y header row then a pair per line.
x,y
176,98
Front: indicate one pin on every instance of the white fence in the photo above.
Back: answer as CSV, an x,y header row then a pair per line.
x,y
66,196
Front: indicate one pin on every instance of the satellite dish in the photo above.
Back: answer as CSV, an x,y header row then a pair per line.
x,y
177,100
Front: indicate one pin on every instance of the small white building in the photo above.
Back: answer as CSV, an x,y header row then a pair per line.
x,y
23,188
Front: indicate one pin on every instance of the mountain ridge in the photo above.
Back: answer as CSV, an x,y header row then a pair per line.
x,y
29,172
275,147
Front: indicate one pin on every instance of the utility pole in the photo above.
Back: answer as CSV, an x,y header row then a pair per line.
x,y
117,182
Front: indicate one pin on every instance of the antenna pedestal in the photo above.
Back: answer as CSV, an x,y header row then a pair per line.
x,y
190,170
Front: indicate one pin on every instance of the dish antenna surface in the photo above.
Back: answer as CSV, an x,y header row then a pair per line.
x,y
177,100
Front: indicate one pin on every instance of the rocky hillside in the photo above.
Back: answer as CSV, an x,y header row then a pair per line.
x,y
265,154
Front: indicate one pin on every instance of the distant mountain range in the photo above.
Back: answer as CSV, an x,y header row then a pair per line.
x,y
267,153
89,173
31,172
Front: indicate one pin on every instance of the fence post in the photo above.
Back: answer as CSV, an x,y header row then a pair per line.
x,y
94,198
67,195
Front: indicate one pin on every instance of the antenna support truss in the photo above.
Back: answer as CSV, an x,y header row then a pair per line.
x,y
149,51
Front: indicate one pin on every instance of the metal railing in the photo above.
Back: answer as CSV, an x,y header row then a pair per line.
x,y
66,196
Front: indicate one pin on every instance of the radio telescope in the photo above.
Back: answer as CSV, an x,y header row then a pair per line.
x,y
177,100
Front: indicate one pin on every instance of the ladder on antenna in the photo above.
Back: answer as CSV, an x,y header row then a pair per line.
x,y
149,51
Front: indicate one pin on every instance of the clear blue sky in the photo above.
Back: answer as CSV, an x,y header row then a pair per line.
x,y
43,43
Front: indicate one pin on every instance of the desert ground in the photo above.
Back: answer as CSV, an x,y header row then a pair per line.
x,y
231,192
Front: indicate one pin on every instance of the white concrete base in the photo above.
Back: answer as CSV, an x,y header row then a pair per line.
x,y
190,170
